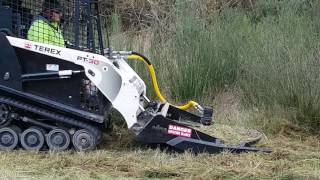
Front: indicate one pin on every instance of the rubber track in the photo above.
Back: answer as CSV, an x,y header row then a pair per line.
x,y
52,115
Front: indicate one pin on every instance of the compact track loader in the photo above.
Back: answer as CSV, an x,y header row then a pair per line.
x,y
60,98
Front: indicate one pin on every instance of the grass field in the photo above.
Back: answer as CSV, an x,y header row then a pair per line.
x,y
293,157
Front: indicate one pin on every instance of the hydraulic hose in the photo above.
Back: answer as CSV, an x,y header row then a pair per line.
x,y
140,57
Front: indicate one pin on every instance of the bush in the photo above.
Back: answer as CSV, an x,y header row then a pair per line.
x,y
271,54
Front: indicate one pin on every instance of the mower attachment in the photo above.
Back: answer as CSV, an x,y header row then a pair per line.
x,y
185,116
172,130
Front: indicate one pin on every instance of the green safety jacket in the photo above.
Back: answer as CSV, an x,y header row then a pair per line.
x,y
43,31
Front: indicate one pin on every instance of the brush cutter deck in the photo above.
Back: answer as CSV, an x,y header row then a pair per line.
x,y
173,130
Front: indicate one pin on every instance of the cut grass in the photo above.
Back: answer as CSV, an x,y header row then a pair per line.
x,y
290,159
295,155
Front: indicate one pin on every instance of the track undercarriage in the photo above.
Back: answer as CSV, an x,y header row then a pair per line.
x,y
34,128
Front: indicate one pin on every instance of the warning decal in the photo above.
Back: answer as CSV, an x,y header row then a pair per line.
x,y
179,131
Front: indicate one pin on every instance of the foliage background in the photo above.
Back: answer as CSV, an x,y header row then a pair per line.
x,y
265,52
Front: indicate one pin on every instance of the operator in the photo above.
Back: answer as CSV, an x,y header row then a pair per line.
x,y
45,27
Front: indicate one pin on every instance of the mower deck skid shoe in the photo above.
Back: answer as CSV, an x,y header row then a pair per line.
x,y
163,131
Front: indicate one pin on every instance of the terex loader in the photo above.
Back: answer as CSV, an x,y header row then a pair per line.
x,y
60,98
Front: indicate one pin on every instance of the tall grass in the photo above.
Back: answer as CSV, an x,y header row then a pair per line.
x,y
271,54
279,62
206,57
